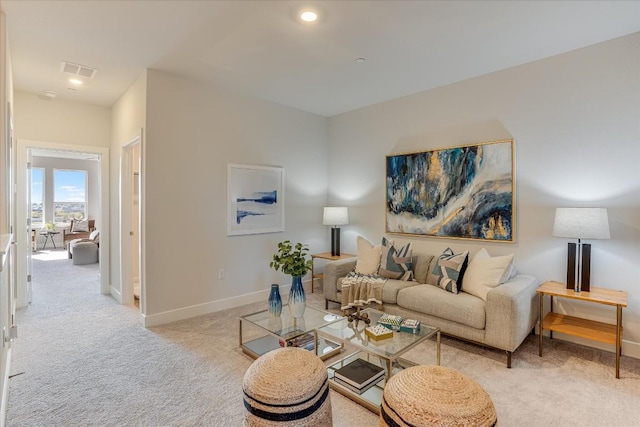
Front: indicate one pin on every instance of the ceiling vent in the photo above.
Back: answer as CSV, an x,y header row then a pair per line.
x,y
78,70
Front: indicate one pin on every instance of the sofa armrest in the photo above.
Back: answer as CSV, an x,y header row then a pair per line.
x,y
512,311
333,271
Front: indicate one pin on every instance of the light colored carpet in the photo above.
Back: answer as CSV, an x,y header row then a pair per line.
x,y
83,360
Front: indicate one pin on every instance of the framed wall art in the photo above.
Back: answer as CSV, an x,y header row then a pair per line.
x,y
461,192
255,199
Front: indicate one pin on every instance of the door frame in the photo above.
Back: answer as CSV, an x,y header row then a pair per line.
x,y
126,222
23,239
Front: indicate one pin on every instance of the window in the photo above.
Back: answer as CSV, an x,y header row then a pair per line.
x,y
69,195
37,193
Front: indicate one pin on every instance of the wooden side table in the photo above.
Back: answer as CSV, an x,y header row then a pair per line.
x,y
327,256
584,328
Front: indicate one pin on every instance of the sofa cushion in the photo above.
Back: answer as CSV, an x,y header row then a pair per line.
x,y
421,270
450,268
462,308
485,273
395,263
392,287
368,257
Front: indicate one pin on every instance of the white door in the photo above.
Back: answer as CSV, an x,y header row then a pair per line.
x,y
33,235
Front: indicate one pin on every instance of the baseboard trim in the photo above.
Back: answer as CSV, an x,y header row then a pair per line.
x,y
5,391
209,307
116,294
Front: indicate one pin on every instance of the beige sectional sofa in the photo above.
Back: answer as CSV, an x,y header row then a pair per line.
x,y
503,321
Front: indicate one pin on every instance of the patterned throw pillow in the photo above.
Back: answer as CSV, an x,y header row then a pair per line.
x,y
80,225
450,269
395,263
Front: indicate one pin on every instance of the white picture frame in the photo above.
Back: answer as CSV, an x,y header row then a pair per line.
x,y
255,199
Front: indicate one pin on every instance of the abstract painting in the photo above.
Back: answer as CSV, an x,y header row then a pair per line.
x,y
462,192
255,199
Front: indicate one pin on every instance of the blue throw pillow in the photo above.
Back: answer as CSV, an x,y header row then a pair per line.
x,y
450,269
395,263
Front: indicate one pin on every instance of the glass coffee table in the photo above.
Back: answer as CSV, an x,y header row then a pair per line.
x,y
260,332
384,353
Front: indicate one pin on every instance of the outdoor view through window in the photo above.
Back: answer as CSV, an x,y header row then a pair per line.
x,y
69,196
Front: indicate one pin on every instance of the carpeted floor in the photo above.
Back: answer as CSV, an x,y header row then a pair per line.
x,y
84,360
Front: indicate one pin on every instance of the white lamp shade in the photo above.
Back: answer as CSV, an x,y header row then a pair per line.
x,y
335,216
581,223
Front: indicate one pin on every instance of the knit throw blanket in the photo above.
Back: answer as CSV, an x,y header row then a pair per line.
x,y
361,289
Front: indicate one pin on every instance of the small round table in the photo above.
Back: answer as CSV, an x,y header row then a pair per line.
x,y
49,234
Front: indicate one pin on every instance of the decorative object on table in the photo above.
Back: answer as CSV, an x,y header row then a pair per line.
x,y
255,199
410,325
335,216
580,223
435,396
275,302
287,387
292,259
462,192
449,270
356,316
391,321
359,373
49,226
395,263
378,332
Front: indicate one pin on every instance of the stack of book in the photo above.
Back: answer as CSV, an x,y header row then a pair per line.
x,y
410,325
305,341
359,375
391,321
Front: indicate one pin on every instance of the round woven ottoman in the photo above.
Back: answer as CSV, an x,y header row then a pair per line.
x,y
435,396
287,387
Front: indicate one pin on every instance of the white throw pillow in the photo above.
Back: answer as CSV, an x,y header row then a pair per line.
x,y
80,225
368,257
486,272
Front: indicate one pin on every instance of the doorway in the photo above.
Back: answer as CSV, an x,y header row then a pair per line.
x,y
131,222
24,235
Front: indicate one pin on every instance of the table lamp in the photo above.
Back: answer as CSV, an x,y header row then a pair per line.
x,y
580,223
335,216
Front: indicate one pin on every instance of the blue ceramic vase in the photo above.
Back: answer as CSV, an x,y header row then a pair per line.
x,y
297,299
275,302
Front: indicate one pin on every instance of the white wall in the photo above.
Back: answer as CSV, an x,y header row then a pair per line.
x,y
575,120
127,123
193,132
62,121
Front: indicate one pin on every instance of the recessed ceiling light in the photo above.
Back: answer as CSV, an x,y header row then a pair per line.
x,y
49,94
75,81
308,16
360,59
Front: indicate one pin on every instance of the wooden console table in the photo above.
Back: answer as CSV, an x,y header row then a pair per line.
x,y
584,328
328,257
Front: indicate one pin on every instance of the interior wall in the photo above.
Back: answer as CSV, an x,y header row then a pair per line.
x,y
575,120
127,123
62,121
193,132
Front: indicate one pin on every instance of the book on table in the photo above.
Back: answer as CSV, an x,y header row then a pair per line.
x,y
359,373
352,388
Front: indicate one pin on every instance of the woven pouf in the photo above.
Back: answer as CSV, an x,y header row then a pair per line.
x,y
287,387
435,396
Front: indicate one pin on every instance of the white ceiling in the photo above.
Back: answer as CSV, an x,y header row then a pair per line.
x,y
259,48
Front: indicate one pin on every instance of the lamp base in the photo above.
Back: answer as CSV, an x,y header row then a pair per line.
x,y
335,241
579,267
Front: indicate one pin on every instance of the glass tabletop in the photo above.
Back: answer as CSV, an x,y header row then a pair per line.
x,y
286,326
345,331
